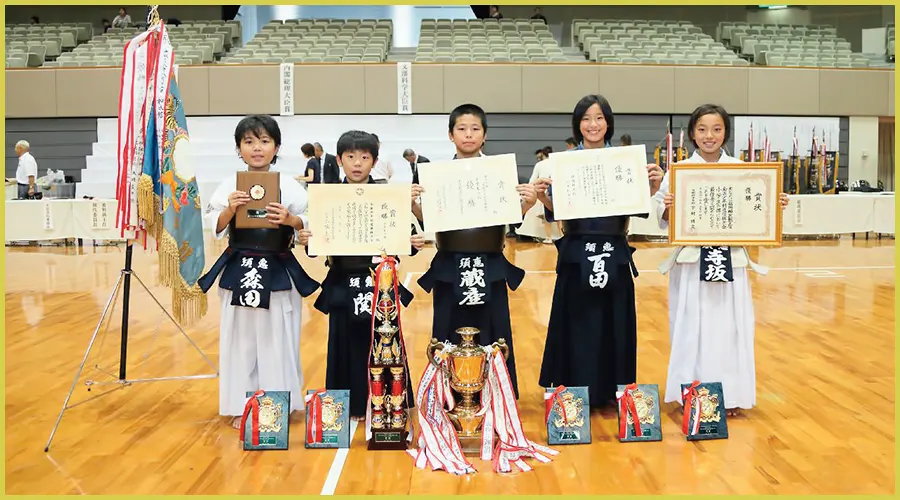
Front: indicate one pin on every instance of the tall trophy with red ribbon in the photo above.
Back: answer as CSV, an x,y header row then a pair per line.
x,y
388,413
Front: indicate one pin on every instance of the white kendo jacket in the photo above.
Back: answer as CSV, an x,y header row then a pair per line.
x,y
690,255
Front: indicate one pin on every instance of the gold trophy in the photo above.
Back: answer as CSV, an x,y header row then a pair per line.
x,y
467,373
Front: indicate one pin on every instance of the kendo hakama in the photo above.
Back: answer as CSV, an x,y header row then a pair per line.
x,y
347,294
592,333
469,276
260,318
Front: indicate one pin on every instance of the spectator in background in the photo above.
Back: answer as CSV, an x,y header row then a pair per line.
x,y
537,15
27,171
313,174
495,12
123,20
383,170
625,140
35,20
571,144
414,160
106,24
330,172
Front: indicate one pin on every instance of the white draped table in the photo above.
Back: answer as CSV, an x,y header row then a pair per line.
x,y
815,214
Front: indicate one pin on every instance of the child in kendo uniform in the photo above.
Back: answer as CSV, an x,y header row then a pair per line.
x,y
349,288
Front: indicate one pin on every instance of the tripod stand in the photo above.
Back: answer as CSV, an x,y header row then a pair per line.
x,y
125,282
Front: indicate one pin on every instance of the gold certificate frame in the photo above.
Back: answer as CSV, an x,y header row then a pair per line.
x,y
359,219
723,204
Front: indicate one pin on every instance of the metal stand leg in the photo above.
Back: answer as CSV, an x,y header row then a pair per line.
x,y
125,281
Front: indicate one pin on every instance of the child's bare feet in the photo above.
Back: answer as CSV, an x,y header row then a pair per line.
x,y
358,419
236,422
734,412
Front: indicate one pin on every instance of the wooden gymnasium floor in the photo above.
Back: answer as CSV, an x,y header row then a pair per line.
x,y
824,421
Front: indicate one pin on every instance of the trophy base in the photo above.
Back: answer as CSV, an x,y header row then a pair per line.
x,y
471,445
389,439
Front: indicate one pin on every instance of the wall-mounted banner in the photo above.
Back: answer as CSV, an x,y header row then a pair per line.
x,y
404,88
286,89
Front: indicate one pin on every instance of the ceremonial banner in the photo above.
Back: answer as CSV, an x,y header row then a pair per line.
x,y
404,88
157,191
359,219
470,192
286,89
601,182
719,204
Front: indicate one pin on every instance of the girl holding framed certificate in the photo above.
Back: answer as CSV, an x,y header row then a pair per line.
x,y
711,320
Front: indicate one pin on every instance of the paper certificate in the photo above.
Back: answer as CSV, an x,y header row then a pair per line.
x,y
470,192
600,182
359,219
726,204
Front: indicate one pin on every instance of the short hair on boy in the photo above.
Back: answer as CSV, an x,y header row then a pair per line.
x,y
709,109
571,141
257,126
468,109
357,140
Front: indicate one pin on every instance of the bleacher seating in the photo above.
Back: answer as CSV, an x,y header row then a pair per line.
x,y
487,40
649,42
31,45
317,40
809,46
196,42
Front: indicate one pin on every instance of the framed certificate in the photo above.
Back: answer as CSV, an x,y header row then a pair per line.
x,y
359,219
718,204
470,192
600,182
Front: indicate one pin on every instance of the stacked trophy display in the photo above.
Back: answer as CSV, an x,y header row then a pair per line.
x,y
387,365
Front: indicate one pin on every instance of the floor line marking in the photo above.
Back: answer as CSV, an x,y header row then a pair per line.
x,y
337,466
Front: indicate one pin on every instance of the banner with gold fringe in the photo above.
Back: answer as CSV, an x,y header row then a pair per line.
x,y
157,193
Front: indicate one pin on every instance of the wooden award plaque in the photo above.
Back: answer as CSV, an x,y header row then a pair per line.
x,y
263,188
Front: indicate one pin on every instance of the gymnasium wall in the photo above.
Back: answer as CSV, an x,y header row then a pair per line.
x,y
63,143
500,88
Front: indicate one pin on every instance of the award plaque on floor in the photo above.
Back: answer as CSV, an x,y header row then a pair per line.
x,y
567,414
262,188
264,425
704,411
638,413
327,419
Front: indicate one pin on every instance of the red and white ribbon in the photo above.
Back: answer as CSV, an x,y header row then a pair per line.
x,y
314,416
501,416
552,399
691,407
628,407
438,442
251,411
